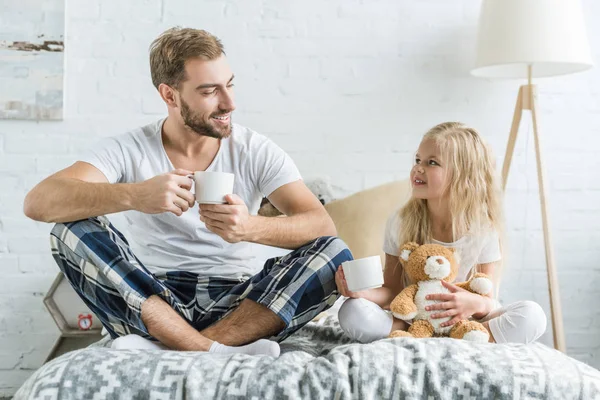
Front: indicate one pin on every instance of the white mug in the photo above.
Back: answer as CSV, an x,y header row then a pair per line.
x,y
364,273
211,187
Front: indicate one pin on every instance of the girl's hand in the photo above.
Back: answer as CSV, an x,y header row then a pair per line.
x,y
342,285
459,303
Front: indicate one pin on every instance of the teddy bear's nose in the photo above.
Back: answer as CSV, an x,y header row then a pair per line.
x,y
437,267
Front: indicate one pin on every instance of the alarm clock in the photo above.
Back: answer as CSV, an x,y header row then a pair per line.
x,y
84,321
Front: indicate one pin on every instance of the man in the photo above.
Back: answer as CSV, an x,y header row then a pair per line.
x,y
187,279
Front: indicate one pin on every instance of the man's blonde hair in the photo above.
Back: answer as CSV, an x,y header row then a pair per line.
x,y
473,189
170,51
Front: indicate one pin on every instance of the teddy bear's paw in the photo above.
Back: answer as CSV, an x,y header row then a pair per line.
x,y
472,331
481,285
399,333
477,336
405,317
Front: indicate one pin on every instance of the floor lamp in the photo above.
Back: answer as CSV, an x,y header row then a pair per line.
x,y
527,39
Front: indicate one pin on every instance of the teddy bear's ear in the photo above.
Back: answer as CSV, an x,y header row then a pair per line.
x,y
405,254
406,249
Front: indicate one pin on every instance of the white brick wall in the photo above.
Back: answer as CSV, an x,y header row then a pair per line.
x,y
347,88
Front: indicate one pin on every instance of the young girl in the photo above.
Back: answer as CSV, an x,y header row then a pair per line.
x,y
456,203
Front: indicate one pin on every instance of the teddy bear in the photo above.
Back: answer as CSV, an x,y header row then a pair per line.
x,y
427,265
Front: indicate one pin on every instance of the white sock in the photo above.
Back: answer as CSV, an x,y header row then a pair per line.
x,y
131,342
260,347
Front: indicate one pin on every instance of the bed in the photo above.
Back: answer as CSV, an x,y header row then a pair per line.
x,y
320,363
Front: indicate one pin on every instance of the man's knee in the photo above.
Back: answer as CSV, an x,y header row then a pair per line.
x,y
92,221
58,232
78,228
84,243
332,252
334,249
332,245
70,234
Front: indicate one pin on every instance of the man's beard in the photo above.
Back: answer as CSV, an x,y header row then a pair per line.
x,y
195,123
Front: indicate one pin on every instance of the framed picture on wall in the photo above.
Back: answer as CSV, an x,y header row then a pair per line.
x,y
32,59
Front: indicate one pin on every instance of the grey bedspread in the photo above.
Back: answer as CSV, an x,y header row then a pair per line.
x,y
320,363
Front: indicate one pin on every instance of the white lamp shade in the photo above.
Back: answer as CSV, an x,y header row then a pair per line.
x,y
549,35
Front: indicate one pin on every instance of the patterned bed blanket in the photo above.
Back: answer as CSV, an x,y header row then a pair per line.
x,y
320,363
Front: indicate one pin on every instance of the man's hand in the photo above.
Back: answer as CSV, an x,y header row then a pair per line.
x,y
231,221
168,192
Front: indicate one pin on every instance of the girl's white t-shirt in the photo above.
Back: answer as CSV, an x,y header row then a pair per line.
x,y
471,250
165,242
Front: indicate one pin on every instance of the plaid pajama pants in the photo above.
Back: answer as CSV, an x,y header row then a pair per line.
x,y
98,262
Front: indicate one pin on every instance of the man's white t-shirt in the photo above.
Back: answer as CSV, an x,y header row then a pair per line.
x,y
471,250
165,242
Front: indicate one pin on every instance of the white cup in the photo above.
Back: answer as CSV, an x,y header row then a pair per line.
x,y
364,273
212,187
